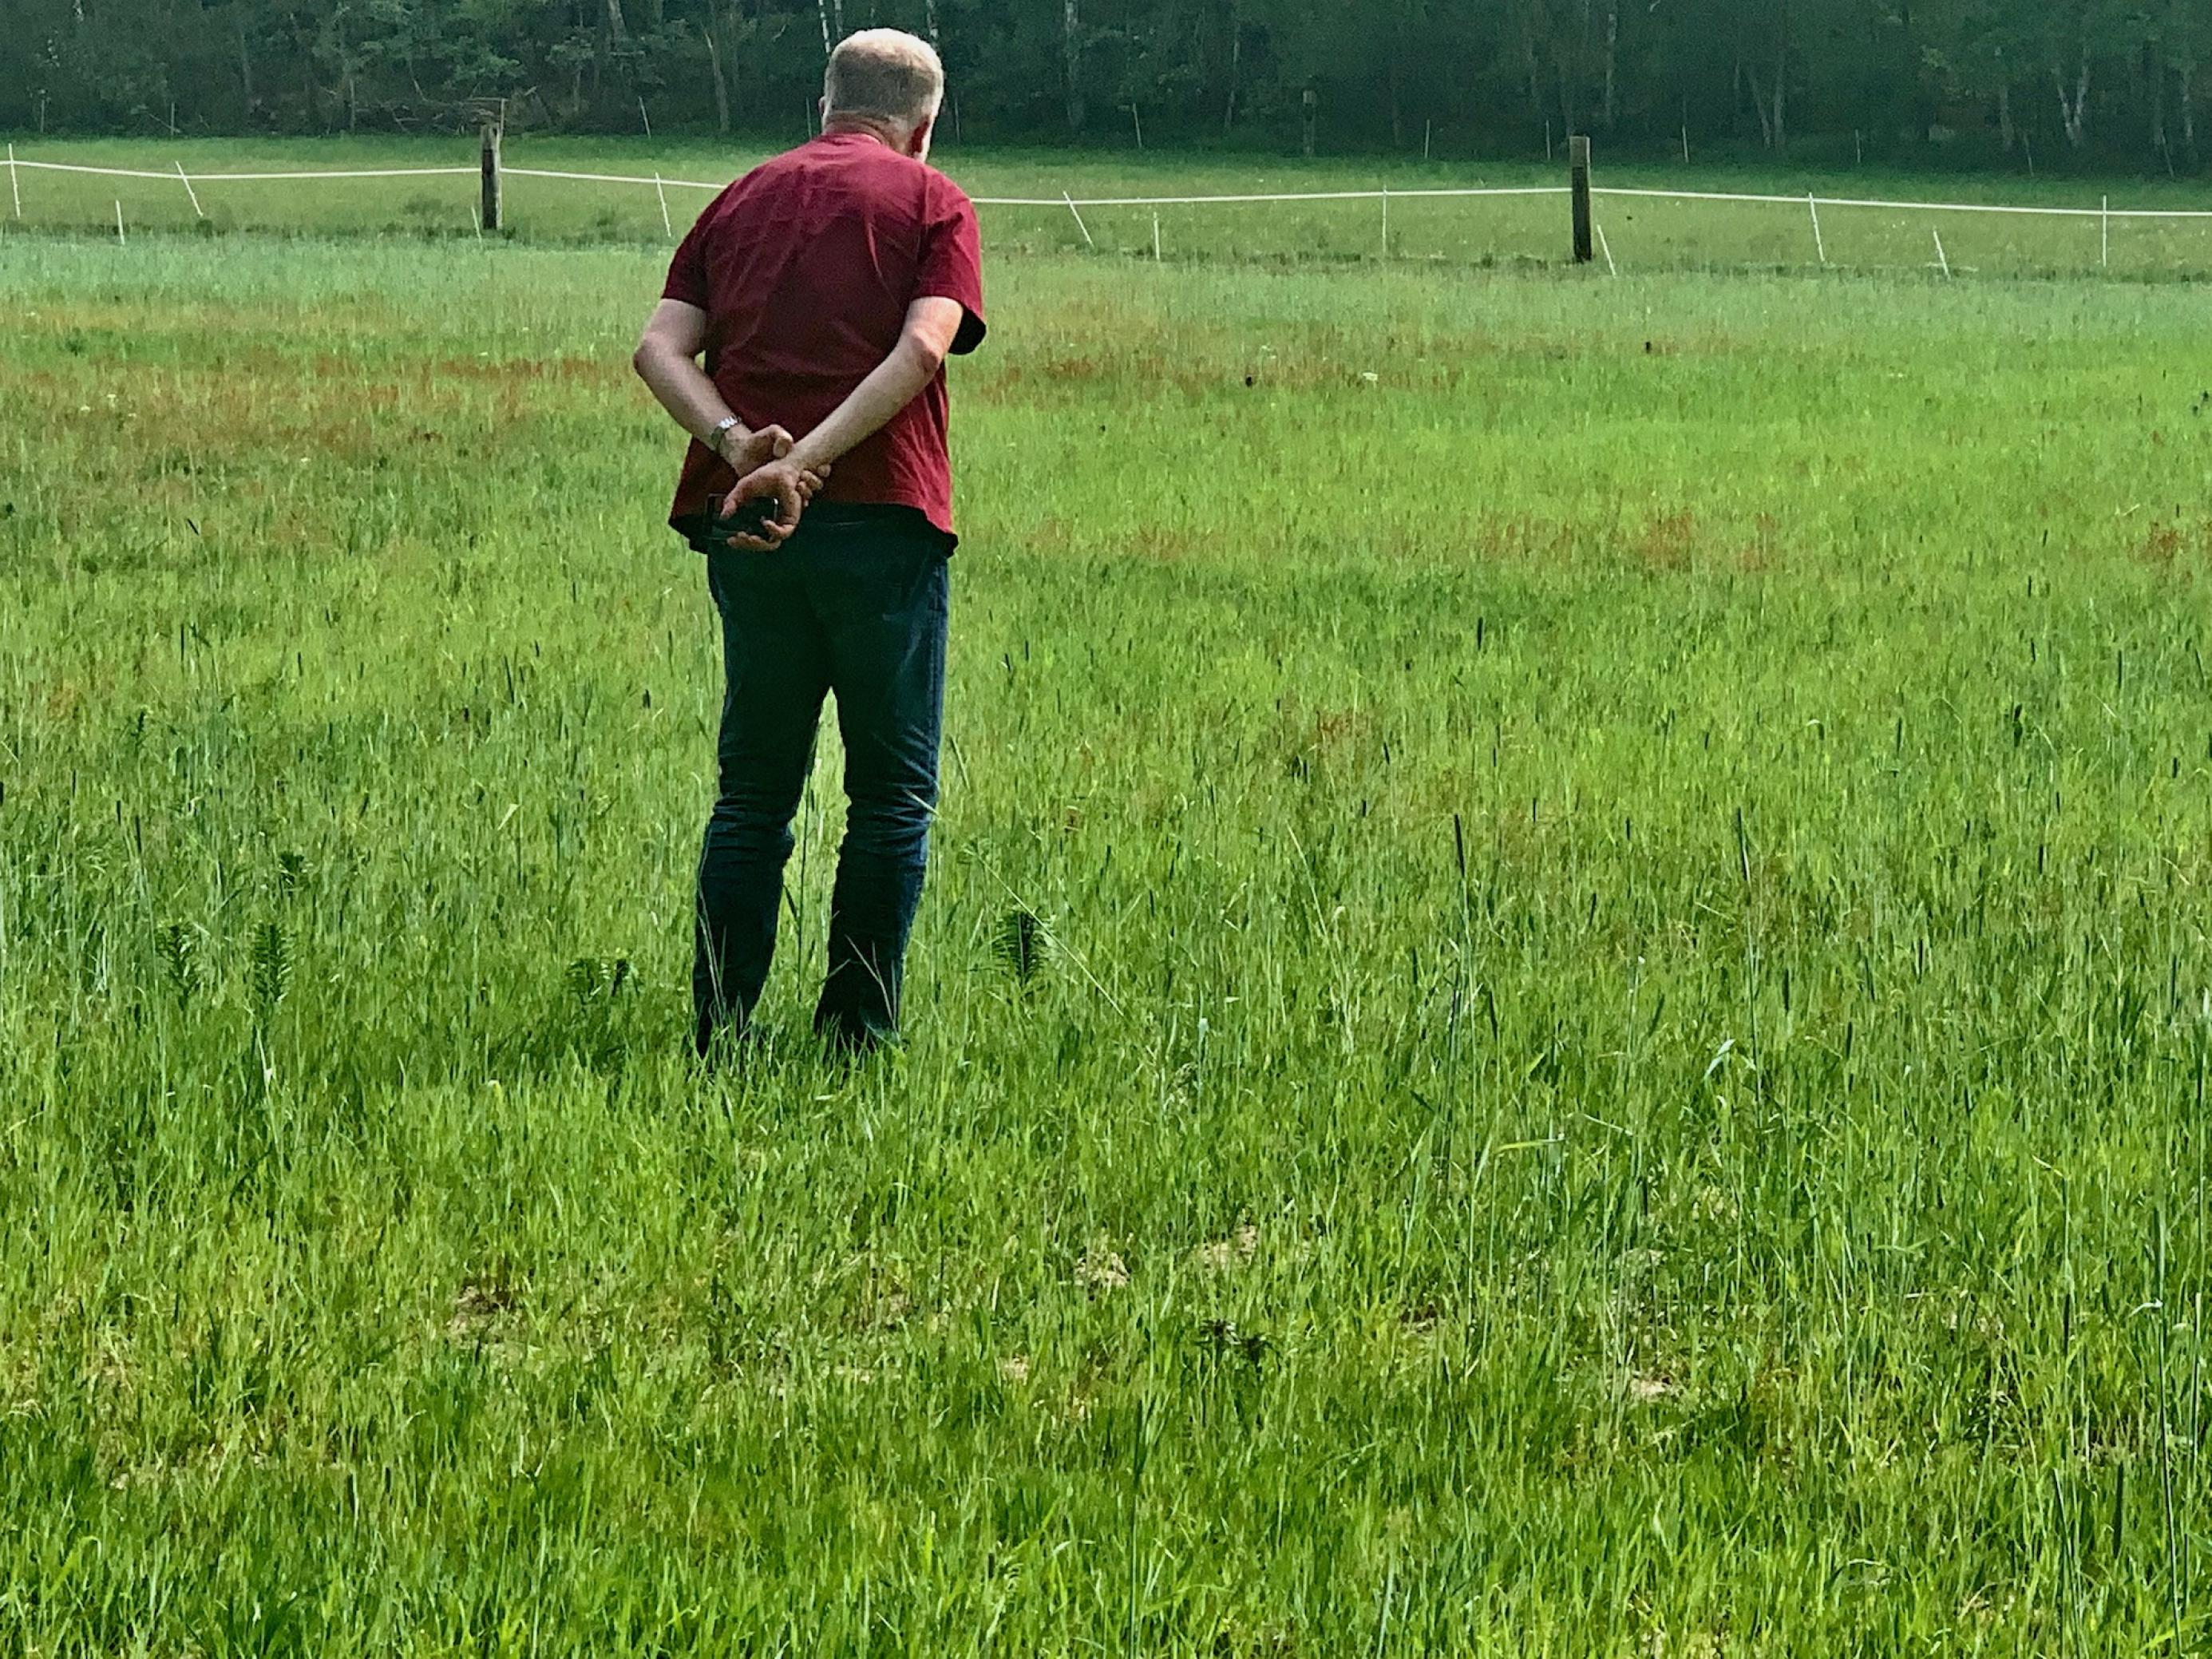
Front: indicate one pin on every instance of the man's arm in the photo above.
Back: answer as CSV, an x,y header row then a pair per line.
x,y
932,325
667,360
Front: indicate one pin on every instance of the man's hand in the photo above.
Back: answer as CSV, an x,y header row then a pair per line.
x,y
755,450
790,487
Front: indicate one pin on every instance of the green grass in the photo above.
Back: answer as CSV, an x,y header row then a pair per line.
x,y
1617,1066
1642,234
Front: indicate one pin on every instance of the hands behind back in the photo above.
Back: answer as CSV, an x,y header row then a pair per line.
x,y
764,475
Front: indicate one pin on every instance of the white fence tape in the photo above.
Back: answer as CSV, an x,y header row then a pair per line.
x,y
649,181
664,181
1228,201
1908,207
104,172
609,177
243,178
365,173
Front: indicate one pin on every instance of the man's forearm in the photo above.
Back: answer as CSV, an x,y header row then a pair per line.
x,y
682,388
870,406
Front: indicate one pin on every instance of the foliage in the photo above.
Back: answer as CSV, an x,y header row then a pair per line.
x,y
2054,76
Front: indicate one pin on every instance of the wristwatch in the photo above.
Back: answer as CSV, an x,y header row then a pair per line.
x,y
723,427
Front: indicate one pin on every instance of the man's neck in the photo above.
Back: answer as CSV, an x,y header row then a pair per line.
x,y
840,126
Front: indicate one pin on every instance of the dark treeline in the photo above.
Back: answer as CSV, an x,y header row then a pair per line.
x,y
2042,81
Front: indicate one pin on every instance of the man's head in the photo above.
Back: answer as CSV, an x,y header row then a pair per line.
x,y
888,82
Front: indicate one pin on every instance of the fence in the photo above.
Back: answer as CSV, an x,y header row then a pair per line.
x,y
1615,225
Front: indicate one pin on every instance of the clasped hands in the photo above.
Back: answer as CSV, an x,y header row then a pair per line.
x,y
767,470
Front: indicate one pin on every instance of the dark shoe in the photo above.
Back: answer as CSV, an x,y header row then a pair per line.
x,y
852,1039
724,1047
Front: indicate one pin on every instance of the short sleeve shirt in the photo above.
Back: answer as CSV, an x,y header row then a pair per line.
x,y
805,268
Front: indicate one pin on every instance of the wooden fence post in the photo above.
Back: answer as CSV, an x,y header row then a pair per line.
x,y
493,128
1578,175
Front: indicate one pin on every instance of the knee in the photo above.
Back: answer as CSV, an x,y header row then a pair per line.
x,y
893,819
752,818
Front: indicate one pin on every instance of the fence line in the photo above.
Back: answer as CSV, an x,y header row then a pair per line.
x,y
651,181
1293,196
611,178
241,177
1908,207
365,173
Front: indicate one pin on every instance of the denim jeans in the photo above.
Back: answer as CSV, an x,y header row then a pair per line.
x,y
856,604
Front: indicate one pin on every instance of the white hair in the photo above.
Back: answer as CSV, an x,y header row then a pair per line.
x,y
885,74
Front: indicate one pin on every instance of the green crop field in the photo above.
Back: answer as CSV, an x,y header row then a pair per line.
x,y
1564,1004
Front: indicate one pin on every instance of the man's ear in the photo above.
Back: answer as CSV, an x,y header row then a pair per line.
x,y
917,143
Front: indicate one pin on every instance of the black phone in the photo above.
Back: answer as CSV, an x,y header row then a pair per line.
x,y
752,518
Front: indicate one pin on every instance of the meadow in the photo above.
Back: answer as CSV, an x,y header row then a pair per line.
x,y
1564,1009
1641,233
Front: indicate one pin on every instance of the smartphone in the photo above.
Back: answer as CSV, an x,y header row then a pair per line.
x,y
751,518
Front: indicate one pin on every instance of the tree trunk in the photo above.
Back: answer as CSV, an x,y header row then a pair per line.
x,y
2188,72
929,19
1397,105
1535,68
1759,106
618,31
1070,47
246,67
1611,63
1781,128
1236,68
2006,131
714,63
823,8
2158,136
2074,114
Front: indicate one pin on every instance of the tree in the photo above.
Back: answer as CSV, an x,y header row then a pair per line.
x,y
2113,77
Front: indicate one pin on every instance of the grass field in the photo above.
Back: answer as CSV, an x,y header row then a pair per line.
x,y
1614,1063
1642,234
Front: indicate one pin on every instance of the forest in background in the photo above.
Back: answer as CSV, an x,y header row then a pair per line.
x,y
2036,82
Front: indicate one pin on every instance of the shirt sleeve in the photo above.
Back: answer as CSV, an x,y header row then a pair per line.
x,y
952,261
688,280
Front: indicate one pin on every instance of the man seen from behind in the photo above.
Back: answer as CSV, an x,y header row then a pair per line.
x,y
825,289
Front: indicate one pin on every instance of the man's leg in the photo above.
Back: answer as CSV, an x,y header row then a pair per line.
x,y
885,595
775,670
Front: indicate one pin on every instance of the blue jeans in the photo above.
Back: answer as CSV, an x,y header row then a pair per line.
x,y
855,603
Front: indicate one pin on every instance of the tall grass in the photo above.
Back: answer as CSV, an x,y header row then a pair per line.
x,y
1563,1007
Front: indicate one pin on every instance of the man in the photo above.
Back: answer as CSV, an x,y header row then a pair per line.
x,y
826,289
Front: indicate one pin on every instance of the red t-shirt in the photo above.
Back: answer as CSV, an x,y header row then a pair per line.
x,y
805,268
